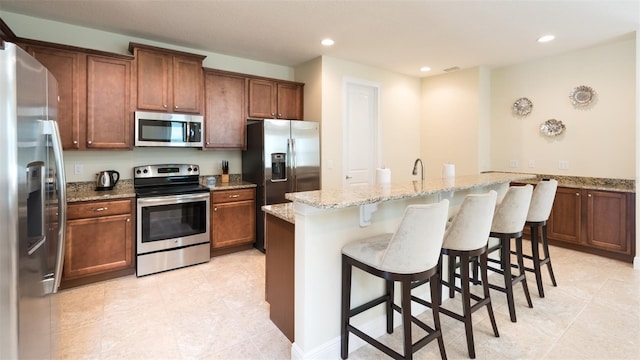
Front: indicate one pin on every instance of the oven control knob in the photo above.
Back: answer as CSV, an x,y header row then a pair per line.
x,y
145,171
138,172
195,169
189,169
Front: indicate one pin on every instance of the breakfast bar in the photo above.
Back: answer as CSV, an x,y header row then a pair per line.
x,y
326,220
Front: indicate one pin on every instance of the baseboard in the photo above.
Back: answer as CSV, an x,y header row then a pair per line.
x,y
636,263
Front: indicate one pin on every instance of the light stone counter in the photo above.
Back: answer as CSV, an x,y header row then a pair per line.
x,y
326,220
282,211
367,194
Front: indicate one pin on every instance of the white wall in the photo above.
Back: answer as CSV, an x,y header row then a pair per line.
x,y
399,118
454,107
598,141
124,161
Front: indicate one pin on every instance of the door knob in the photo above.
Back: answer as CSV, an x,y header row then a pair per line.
x,y
348,177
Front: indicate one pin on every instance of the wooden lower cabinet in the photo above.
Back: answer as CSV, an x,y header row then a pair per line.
x,y
233,221
280,268
595,221
99,241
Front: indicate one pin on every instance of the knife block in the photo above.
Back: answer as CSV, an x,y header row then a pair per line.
x,y
225,178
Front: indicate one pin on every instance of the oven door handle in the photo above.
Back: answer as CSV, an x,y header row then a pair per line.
x,y
172,199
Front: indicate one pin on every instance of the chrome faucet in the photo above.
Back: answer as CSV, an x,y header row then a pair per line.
x,y
415,168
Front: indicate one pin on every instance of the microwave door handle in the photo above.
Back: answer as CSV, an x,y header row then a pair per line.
x,y
187,135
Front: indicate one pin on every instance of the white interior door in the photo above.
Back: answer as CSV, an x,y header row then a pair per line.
x,y
361,143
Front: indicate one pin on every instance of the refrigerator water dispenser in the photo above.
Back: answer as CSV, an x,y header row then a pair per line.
x,y
278,167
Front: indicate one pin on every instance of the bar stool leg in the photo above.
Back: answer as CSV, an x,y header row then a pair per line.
x,y
452,275
505,253
436,288
344,314
406,318
535,254
545,247
389,305
466,302
485,287
521,271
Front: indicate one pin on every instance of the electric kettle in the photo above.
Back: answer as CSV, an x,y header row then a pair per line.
x,y
106,180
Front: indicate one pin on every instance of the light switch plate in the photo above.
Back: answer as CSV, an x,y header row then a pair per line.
x,y
78,169
563,165
513,163
532,163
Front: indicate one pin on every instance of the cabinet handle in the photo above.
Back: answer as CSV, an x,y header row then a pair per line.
x,y
273,114
176,106
164,106
128,220
279,115
207,143
89,142
215,209
577,194
589,195
234,196
75,142
101,209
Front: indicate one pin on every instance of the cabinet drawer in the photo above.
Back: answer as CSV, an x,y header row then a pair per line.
x,y
224,196
98,208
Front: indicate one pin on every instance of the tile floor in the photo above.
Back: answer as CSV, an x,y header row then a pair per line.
x,y
217,311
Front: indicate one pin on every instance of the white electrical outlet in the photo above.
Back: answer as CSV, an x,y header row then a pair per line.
x,y
563,165
78,169
532,163
513,163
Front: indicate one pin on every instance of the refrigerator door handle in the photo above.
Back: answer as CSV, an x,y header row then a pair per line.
x,y
51,128
294,165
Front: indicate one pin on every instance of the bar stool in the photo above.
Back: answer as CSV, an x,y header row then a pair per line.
x,y
410,254
466,238
508,223
539,211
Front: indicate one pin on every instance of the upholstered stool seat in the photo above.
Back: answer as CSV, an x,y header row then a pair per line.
x,y
508,223
466,238
410,254
537,217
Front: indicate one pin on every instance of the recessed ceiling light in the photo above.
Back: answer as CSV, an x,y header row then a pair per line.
x,y
327,42
425,69
546,38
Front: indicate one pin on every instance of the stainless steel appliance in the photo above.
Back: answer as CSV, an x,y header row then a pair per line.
x,y
106,180
282,156
164,129
32,214
172,229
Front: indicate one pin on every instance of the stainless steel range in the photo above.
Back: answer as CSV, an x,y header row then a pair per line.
x,y
172,229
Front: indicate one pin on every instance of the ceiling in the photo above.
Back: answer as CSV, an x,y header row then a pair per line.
x,y
397,35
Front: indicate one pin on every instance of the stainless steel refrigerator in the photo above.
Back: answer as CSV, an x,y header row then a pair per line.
x,y
282,156
33,204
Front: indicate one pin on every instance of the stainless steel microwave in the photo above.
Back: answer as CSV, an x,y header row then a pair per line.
x,y
171,130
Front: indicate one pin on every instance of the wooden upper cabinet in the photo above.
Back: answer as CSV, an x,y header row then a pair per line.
x,y
290,101
275,99
68,67
225,110
168,80
109,112
153,80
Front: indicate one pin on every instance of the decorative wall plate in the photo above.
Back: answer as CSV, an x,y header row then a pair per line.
x,y
552,127
582,96
522,107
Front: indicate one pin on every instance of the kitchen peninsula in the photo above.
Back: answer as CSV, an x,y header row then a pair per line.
x,y
326,220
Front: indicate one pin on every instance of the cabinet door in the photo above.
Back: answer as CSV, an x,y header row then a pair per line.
x,y
225,104
607,220
565,219
187,85
262,99
153,80
68,67
290,103
233,223
109,115
98,245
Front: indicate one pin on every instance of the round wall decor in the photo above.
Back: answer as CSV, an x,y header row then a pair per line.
x,y
582,96
522,107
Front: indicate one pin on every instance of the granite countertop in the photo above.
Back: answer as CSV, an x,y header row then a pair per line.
x,y
282,211
86,191
591,183
368,194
